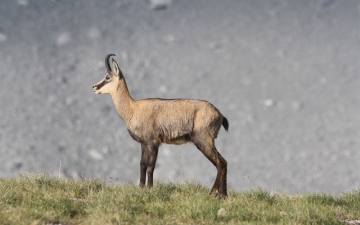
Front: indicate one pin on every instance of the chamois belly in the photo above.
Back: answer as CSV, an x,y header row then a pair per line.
x,y
177,140
174,133
178,131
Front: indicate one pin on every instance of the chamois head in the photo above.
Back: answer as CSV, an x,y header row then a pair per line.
x,y
111,79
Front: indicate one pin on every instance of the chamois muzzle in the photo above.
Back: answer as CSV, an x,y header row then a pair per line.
x,y
107,62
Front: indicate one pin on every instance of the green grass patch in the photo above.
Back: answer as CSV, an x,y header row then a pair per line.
x,y
41,199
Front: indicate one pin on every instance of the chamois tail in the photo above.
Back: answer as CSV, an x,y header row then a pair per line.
x,y
225,123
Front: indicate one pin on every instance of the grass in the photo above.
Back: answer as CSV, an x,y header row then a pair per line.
x,y
41,199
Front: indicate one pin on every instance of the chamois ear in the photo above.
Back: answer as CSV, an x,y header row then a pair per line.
x,y
116,69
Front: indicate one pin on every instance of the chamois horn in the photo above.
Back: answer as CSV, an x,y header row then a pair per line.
x,y
107,62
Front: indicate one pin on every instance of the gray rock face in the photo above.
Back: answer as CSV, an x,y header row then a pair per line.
x,y
284,73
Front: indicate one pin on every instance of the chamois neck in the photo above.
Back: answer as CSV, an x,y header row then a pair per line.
x,y
123,102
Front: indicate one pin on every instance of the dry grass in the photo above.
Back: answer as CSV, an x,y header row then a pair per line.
x,y
40,199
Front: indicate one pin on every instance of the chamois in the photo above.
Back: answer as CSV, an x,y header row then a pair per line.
x,y
173,121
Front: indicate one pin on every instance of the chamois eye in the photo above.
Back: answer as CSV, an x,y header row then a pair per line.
x,y
107,78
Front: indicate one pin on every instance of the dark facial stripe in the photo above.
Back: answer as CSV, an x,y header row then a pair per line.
x,y
102,84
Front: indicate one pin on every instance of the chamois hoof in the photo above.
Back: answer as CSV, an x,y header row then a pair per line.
x,y
223,196
214,193
217,194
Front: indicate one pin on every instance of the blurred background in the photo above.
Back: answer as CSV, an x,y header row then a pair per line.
x,y
284,73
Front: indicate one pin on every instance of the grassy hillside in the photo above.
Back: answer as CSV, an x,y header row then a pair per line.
x,y
40,199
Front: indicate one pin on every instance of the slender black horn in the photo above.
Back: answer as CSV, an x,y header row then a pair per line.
x,y
107,61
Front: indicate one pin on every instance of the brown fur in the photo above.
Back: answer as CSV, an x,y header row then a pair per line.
x,y
172,121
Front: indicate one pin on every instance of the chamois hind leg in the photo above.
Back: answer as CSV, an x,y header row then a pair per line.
x,y
207,147
223,184
148,161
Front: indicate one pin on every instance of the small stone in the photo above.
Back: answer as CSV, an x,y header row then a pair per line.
x,y
99,65
159,4
163,89
296,105
69,100
23,2
221,212
169,38
166,151
269,102
94,33
96,155
63,38
352,222
3,37
125,56
105,150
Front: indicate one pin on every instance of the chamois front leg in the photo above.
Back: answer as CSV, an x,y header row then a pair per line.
x,y
148,161
142,166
